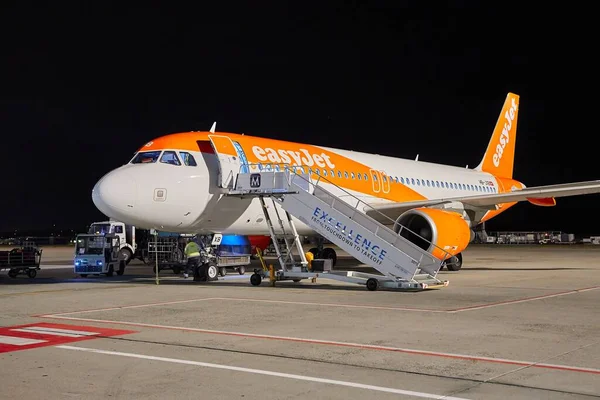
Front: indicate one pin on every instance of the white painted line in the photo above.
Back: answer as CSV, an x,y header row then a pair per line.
x,y
307,303
268,373
250,300
532,364
55,331
164,303
18,341
525,300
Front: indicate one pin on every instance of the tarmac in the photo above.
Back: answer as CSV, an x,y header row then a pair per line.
x,y
518,321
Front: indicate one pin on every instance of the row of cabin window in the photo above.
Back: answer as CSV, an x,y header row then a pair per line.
x,y
403,180
168,157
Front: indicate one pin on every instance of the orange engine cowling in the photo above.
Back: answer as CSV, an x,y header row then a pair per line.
x,y
442,233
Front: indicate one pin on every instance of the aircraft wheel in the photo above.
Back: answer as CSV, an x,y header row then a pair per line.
x,y
255,279
31,273
329,253
454,263
372,284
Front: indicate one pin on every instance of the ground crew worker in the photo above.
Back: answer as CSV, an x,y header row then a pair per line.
x,y
192,252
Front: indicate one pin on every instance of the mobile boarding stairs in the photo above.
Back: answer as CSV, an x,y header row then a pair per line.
x,y
402,264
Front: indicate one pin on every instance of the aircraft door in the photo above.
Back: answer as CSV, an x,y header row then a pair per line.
x,y
376,180
231,158
385,182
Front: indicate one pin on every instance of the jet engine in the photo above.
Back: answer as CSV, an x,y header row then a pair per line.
x,y
442,233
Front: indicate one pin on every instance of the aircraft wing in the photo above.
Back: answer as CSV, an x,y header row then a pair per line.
x,y
539,195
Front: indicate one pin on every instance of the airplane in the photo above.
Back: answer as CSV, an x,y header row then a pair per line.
x,y
179,183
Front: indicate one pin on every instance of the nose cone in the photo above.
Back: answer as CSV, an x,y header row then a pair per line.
x,y
114,195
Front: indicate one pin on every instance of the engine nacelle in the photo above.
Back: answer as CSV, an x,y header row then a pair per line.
x,y
442,233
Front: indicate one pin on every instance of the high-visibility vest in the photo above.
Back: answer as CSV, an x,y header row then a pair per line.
x,y
192,250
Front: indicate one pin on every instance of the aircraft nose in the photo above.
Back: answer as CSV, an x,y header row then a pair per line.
x,y
114,194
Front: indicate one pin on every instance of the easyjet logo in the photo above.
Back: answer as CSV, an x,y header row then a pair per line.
x,y
509,115
302,157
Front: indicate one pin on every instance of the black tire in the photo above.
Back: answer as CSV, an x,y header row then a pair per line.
x,y
13,273
454,263
241,270
31,273
315,252
212,272
125,255
255,279
121,269
222,271
83,275
372,284
329,253
296,280
111,271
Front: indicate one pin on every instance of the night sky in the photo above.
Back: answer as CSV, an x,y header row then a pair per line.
x,y
83,87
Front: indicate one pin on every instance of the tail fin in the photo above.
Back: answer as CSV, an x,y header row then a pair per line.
x,y
500,154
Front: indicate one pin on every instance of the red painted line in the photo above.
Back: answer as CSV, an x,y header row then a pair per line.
x,y
53,338
523,300
344,344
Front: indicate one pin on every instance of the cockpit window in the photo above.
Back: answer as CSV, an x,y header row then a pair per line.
x,y
188,159
169,157
146,157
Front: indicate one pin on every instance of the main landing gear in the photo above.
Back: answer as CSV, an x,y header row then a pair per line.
x,y
454,263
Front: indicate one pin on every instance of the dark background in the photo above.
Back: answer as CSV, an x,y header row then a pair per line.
x,y
84,86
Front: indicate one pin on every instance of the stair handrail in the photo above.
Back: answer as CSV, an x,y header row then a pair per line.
x,y
291,174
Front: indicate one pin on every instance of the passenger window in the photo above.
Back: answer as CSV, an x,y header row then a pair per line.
x,y
359,176
366,177
332,174
339,174
384,178
146,157
188,159
169,157
412,180
352,175
402,180
324,172
346,174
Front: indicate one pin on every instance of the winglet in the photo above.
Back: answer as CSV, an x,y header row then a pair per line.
x,y
498,159
213,127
